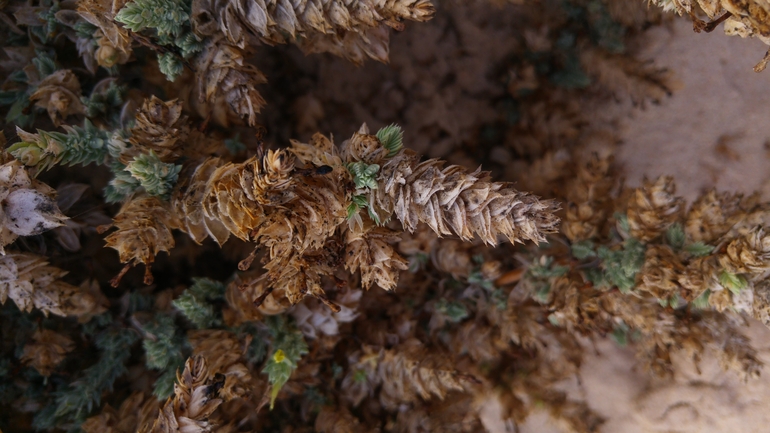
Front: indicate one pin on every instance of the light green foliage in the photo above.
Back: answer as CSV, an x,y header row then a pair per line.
x,y
702,301
189,44
167,17
359,202
364,176
453,311
621,266
45,64
675,236
164,350
621,221
733,282
157,177
170,65
121,186
196,303
288,348
620,334
78,145
105,102
699,249
583,250
392,138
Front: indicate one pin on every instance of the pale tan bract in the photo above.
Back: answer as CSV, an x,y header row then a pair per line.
x,y
47,351
144,226
450,200
355,29
195,399
222,74
159,127
31,283
59,94
653,208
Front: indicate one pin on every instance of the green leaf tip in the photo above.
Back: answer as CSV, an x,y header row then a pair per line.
x,y
392,138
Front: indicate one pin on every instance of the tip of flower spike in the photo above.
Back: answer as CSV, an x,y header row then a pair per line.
x,y
392,138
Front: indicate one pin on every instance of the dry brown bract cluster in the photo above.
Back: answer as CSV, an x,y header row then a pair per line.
x,y
294,205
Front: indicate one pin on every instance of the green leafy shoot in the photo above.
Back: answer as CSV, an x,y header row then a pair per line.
x,y
477,278
620,334
196,303
364,175
104,102
417,261
392,138
453,311
621,266
164,350
545,268
288,348
733,282
235,145
85,145
583,250
122,186
170,65
675,236
622,223
167,17
699,249
84,394
157,177
702,301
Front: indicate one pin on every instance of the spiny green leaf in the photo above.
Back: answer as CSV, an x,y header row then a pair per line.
x,y
734,283
675,236
698,249
702,301
392,138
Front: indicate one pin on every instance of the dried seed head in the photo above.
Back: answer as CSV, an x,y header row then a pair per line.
x,y
160,128
59,94
660,273
749,253
653,208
